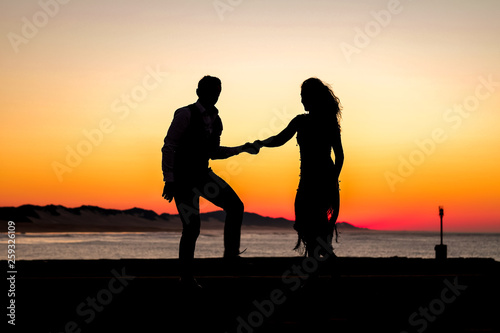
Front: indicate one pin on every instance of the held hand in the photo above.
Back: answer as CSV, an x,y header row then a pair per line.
x,y
258,143
168,191
251,148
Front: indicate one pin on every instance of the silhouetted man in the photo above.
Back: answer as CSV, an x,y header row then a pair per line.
x,y
192,139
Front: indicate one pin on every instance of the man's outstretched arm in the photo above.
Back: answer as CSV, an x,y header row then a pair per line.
x,y
225,152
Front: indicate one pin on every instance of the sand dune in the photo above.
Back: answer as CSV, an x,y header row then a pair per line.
x,y
52,218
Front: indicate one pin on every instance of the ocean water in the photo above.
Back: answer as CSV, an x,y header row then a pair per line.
x,y
152,245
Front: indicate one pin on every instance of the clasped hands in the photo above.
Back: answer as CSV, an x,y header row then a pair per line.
x,y
252,148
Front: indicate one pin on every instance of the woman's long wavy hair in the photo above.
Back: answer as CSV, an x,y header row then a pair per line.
x,y
322,97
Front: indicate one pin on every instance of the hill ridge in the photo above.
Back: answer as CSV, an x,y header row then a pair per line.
x,y
54,216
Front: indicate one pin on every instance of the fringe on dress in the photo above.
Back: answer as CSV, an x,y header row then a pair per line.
x,y
316,216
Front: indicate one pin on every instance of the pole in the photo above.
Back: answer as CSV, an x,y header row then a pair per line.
x,y
441,249
441,213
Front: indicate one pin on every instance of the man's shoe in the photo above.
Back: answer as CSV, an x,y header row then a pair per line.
x,y
190,284
233,255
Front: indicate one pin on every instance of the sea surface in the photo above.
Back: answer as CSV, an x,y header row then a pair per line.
x,y
154,245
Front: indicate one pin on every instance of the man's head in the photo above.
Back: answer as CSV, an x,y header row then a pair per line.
x,y
208,91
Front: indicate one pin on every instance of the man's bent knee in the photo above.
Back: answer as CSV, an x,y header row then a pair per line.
x,y
236,207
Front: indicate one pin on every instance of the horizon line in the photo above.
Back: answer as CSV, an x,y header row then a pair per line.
x,y
214,211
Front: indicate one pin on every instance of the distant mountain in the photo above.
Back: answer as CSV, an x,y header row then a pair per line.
x,y
56,218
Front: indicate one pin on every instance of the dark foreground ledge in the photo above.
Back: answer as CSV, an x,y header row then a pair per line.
x,y
260,295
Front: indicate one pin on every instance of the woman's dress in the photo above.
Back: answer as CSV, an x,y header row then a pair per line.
x,y
317,199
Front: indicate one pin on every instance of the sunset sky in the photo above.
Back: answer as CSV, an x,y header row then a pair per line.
x,y
89,89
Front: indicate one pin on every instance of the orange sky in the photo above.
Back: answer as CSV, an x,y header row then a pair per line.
x,y
89,89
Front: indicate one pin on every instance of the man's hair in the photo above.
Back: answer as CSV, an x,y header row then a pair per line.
x,y
209,82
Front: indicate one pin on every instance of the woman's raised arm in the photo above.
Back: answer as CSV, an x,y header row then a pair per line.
x,y
282,137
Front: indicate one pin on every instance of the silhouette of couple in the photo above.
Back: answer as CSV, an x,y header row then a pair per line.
x,y
194,137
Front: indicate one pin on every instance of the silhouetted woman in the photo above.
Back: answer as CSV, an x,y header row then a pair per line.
x,y
317,200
